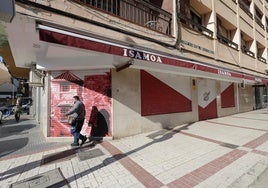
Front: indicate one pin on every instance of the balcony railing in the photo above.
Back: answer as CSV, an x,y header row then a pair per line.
x,y
245,50
227,41
195,25
260,58
136,11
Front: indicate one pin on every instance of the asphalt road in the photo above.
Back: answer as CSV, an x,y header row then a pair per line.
x,y
22,138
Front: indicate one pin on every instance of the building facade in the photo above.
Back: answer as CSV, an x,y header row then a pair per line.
x,y
144,65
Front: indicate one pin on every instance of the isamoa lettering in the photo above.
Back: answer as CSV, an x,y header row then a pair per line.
x,y
142,56
224,72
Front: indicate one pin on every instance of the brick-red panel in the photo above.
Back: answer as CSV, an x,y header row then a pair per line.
x,y
158,98
209,112
227,97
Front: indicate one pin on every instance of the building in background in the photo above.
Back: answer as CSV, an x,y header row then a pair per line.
x,y
146,65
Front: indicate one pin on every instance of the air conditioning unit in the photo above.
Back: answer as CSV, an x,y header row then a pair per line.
x,y
243,84
36,77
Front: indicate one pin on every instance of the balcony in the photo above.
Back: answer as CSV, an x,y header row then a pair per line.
x,y
226,41
136,11
227,10
245,50
227,51
261,59
198,27
258,21
247,59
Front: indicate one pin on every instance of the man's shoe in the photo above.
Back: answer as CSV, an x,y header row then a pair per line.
x,y
74,144
83,141
92,144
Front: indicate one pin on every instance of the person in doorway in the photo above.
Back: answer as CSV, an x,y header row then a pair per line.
x,y
78,111
17,109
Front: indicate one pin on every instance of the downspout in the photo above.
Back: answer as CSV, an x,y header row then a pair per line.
x,y
178,26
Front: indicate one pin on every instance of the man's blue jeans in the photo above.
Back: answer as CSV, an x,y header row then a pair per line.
x,y
75,130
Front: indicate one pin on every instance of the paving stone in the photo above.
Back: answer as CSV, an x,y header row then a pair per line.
x,y
53,178
89,154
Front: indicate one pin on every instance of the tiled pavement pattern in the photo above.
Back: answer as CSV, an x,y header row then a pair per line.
x,y
225,152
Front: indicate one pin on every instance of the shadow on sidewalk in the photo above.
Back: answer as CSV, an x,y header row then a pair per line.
x,y
11,129
9,146
19,169
64,155
156,137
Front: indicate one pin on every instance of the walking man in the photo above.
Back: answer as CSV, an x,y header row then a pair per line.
x,y
78,112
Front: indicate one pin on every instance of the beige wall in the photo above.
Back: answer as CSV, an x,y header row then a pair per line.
x,y
127,119
246,99
226,111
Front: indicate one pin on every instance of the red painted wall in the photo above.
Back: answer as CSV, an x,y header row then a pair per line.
x,y
209,112
228,97
158,98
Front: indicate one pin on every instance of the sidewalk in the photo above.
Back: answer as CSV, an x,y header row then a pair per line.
x,y
228,152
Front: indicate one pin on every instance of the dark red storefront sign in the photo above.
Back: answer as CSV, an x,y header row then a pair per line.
x,y
58,36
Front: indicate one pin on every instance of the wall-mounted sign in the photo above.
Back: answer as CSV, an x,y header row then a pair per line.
x,y
141,55
197,46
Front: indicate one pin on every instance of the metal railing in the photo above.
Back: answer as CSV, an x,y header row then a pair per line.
x,y
227,41
136,11
195,26
245,50
260,58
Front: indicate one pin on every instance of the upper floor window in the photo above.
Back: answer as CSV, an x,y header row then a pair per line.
x,y
246,44
245,6
266,21
226,32
197,20
260,52
258,17
196,16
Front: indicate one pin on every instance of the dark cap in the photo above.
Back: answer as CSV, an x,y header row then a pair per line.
x,y
76,97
